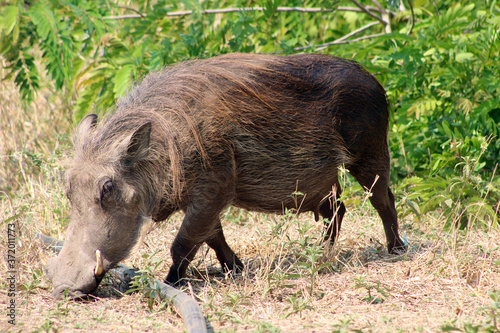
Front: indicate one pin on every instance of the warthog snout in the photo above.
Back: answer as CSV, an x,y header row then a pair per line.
x,y
77,282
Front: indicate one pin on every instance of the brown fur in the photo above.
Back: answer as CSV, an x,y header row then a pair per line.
x,y
240,129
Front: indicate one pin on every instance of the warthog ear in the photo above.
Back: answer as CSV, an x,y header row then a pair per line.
x,y
86,124
82,131
138,146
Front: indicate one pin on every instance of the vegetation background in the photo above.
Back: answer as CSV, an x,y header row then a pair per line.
x,y
440,64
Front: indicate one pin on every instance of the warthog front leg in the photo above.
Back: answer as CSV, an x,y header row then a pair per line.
x,y
201,224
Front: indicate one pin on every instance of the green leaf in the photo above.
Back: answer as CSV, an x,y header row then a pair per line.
x,y
8,19
122,80
27,77
414,206
447,129
44,20
464,56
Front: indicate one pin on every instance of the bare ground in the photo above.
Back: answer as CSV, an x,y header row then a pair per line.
x,y
443,279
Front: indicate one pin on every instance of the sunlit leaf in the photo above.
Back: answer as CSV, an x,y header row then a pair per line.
x,y
8,19
122,80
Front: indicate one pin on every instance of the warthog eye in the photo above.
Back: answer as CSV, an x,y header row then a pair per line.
x,y
106,189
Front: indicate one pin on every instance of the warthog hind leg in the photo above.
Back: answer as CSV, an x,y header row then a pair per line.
x,y
373,174
228,260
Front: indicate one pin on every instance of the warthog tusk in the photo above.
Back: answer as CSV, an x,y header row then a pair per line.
x,y
99,268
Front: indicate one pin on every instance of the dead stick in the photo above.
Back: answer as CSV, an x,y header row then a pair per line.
x,y
185,305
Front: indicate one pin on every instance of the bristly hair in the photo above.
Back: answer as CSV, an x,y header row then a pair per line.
x,y
204,112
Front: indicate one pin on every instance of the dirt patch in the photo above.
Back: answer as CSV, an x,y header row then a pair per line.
x,y
443,279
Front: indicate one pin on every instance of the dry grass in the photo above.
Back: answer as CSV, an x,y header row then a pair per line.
x,y
444,278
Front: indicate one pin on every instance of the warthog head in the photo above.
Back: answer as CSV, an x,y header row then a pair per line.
x,y
106,208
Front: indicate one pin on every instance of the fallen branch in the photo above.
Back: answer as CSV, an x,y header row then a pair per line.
x,y
186,306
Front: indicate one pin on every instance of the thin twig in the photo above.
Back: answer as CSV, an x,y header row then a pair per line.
x,y
338,41
436,7
233,10
132,9
412,17
357,10
369,25
123,17
384,15
365,10
378,5
324,46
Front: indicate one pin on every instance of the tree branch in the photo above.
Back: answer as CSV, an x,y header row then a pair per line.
x,y
341,40
369,25
412,18
324,46
366,11
384,17
132,9
253,9
360,8
123,17
378,5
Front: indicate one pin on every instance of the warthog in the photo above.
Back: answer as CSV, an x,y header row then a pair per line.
x,y
239,129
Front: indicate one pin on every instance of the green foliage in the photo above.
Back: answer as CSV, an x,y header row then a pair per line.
x,y
297,305
147,286
310,253
376,293
30,286
92,50
444,85
440,66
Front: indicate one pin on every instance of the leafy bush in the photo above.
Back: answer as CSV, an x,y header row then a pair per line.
x,y
445,84
439,61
